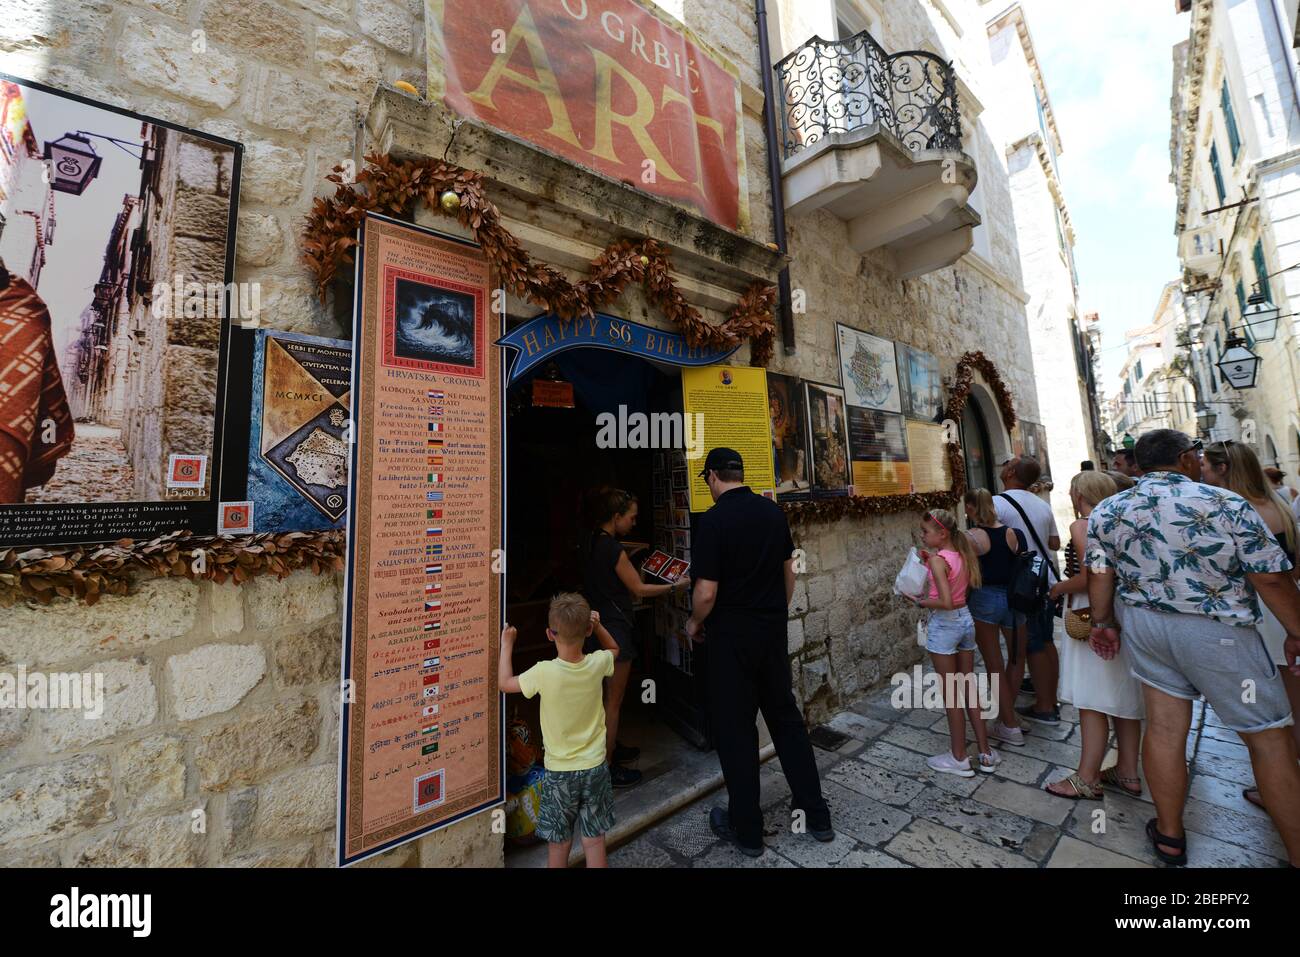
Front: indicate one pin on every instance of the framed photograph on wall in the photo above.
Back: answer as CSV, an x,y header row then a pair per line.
x,y
790,458
117,238
868,370
921,384
878,453
828,439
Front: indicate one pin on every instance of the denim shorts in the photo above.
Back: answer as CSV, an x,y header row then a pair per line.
x,y
989,604
949,632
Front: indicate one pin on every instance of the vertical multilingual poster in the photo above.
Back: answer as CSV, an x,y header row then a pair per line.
x,y
422,715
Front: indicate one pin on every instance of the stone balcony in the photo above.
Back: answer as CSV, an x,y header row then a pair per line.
x,y
1198,250
875,138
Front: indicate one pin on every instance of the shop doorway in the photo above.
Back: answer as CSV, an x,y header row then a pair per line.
x,y
556,454
976,447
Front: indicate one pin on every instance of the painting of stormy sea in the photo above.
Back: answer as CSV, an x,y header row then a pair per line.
x,y
433,325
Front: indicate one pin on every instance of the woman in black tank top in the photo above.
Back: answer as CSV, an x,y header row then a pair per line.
x,y
998,562
611,583
996,545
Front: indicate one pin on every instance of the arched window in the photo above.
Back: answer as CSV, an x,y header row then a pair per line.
x,y
976,448
1270,453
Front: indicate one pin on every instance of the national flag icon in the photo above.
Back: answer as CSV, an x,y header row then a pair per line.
x,y
433,530
433,604
431,662
435,460
431,644
429,749
435,426
435,478
436,410
433,550
431,588
433,569
433,626
435,443
433,496
431,691
430,729
429,710
431,679
435,394
433,513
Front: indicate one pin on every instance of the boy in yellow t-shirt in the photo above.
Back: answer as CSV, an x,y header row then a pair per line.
x,y
577,785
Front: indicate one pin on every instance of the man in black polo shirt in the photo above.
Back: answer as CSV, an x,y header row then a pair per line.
x,y
743,566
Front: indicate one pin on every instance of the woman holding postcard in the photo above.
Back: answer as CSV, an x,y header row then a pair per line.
x,y
611,582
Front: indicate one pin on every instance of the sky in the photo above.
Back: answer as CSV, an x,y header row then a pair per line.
x,y
1108,66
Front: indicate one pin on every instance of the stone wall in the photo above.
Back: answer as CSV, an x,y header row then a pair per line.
x,y
224,701
847,630
218,742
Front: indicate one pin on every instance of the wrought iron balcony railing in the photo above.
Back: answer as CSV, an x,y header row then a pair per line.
x,y
843,85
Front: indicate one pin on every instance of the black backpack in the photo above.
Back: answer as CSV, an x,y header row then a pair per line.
x,y
1030,587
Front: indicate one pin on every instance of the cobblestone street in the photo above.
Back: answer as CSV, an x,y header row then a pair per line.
x,y
890,810
96,470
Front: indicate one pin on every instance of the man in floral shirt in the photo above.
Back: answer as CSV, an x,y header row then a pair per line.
x,y
1181,564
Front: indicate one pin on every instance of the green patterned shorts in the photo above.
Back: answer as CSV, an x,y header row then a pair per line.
x,y
587,796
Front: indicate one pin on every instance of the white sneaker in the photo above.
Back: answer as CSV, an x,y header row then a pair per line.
x,y
1012,736
946,764
989,761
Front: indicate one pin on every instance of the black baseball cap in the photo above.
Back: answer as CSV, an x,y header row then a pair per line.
x,y
721,459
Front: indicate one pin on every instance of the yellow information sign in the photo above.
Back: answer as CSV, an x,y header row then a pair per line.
x,y
727,406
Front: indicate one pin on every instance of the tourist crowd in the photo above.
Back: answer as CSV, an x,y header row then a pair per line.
x,y
1179,583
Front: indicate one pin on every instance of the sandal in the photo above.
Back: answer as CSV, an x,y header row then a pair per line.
x,y
1130,786
1083,791
1176,860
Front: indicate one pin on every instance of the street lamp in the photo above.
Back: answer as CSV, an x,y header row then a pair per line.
x,y
1128,441
1239,365
73,163
1205,419
1260,317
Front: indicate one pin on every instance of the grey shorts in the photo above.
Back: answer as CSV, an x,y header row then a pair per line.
x,y
1187,656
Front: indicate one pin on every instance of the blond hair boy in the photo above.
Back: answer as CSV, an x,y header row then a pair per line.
x,y
577,787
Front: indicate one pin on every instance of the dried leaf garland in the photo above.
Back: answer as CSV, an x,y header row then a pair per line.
x,y
821,511
87,572
390,186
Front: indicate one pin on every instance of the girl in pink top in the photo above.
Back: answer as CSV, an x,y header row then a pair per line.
x,y
950,639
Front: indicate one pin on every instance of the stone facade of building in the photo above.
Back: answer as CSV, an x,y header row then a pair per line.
x,y
218,743
1025,119
226,698
1236,168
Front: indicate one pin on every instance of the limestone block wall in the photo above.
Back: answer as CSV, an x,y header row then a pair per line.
x,y
1050,311
847,630
218,741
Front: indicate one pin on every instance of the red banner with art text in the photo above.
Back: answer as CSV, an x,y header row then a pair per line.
x,y
603,83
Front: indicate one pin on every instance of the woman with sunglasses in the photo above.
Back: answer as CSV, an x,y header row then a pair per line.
x,y
611,583
1234,466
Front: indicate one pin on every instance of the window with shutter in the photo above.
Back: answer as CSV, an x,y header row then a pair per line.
x,y
1230,121
1218,173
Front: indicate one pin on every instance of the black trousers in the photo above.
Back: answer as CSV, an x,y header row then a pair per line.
x,y
749,672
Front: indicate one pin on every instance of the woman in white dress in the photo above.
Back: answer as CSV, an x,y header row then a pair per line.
x,y
1102,690
1234,466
